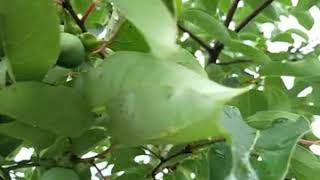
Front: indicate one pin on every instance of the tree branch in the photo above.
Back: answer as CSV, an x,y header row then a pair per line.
x,y
218,46
231,12
194,37
67,5
215,52
189,149
254,14
22,164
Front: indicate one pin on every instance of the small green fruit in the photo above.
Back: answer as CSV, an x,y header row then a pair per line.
x,y
72,51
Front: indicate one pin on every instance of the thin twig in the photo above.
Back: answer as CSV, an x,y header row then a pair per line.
x,y
89,10
254,14
67,5
152,153
215,52
98,170
308,142
22,164
98,156
194,37
189,149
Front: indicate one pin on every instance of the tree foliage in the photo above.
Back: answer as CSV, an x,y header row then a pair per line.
x,y
157,89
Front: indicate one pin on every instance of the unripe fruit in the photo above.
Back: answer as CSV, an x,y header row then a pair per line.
x,y
72,51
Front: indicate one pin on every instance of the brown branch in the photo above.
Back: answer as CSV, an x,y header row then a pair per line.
x,y
231,12
89,10
21,164
67,5
152,153
194,37
215,52
188,150
254,14
218,46
308,142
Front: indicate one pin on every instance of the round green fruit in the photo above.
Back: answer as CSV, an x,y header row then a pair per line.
x,y
72,51
60,173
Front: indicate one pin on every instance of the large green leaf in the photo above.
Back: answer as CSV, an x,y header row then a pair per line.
x,y
277,144
30,31
58,109
242,139
303,68
155,22
304,164
155,101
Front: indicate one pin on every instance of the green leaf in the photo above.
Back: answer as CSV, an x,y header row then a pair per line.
x,y
242,139
155,22
8,145
283,37
37,137
220,161
58,109
250,52
130,39
305,5
299,33
136,118
265,119
251,102
304,164
88,140
123,158
184,58
31,40
61,174
303,68
277,144
204,25
304,18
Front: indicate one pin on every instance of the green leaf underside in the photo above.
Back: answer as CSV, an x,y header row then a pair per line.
x,y
57,109
131,95
31,41
158,26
